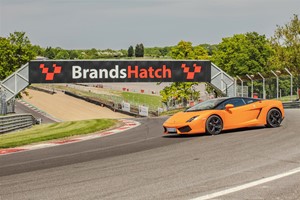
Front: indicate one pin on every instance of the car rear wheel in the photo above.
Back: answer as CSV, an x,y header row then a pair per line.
x,y
274,118
214,125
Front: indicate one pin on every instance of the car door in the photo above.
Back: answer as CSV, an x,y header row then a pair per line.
x,y
240,115
253,110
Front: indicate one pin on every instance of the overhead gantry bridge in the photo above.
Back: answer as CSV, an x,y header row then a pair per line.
x,y
84,71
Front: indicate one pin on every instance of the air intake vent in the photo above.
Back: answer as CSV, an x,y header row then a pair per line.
x,y
185,129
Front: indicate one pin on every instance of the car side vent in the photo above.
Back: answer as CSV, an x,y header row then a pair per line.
x,y
185,129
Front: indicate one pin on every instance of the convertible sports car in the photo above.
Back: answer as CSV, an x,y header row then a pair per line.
x,y
213,116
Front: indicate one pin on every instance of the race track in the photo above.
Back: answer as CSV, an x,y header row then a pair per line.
x,y
21,108
143,164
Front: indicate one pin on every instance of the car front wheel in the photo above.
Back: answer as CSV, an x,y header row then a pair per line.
x,y
214,125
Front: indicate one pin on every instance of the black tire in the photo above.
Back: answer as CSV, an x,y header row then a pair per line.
x,y
214,125
274,118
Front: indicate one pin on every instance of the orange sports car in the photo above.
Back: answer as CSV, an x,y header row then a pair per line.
x,y
214,115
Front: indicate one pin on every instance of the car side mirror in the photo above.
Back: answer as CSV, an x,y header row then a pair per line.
x,y
229,106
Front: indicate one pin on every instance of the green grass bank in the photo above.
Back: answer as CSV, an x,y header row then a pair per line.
x,y
53,131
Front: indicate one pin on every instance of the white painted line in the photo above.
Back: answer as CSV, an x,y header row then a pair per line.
x,y
89,137
39,146
247,185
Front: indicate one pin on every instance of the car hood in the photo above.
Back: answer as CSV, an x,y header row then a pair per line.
x,y
182,117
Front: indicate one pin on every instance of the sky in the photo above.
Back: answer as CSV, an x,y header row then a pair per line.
x,y
117,24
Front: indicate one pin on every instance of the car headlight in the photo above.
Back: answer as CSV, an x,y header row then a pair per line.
x,y
192,118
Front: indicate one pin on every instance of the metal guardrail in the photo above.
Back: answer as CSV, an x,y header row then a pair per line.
x,y
15,122
42,90
290,105
116,107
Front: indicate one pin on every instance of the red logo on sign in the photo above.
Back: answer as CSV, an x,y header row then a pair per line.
x,y
50,75
190,74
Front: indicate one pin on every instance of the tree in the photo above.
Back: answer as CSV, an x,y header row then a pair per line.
x,y
6,57
15,51
73,54
210,48
124,52
200,53
184,90
38,50
92,54
185,50
130,51
50,53
142,50
22,48
243,53
179,91
152,52
164,51
62,54
139,50
286,42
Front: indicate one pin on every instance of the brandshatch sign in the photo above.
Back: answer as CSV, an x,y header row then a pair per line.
x,y
92,71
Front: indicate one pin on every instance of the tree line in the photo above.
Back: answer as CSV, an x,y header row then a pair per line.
x,y
243,54
239,54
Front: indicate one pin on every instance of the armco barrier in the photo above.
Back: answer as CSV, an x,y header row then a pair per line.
x,y
15,122
290,105
42,90
109,104
117,107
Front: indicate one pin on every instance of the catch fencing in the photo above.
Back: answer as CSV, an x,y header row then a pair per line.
x,y
6,106
283,92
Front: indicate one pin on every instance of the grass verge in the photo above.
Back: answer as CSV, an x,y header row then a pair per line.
x,y
46,132
142,99
288,98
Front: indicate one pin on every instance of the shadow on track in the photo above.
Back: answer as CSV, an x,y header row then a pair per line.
x,y
223,132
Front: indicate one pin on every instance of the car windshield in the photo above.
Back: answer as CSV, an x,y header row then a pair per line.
x,y
206,105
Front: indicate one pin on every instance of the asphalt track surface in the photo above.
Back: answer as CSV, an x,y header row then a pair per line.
x,y
143,164
21,108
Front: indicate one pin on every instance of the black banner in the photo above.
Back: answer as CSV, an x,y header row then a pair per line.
x,y
84,71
